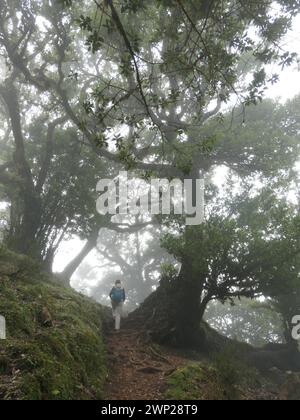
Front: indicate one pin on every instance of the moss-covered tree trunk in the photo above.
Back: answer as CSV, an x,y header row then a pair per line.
x,y
173,313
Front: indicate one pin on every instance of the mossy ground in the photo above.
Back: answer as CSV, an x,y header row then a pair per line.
x,y
63,361
205,381
221,377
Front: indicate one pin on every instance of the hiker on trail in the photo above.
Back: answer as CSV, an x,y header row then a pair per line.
x,y
118,297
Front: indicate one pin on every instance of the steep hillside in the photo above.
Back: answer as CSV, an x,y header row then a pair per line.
x,y
54,347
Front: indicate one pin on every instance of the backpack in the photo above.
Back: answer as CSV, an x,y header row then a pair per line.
x,y
117,294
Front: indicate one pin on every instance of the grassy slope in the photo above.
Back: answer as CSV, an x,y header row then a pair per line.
x,y
63,361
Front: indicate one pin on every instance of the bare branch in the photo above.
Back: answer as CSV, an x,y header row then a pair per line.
x,y
213,112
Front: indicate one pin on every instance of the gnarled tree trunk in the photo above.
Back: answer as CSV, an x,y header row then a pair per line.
x,y
173,313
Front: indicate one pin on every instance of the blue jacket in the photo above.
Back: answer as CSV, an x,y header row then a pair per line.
x,y
123,290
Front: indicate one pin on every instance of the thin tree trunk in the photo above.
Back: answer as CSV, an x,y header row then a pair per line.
x,y
70,269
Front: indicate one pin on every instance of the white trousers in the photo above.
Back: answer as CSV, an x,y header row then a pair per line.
x,y
117,314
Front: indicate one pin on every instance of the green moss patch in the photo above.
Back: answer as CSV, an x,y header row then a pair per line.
x,y
224,377
65,360
195,382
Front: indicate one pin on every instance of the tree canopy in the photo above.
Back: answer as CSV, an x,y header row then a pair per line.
x,y
162,88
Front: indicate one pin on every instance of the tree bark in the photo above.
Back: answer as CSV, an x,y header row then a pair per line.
x,y
173,314
24,235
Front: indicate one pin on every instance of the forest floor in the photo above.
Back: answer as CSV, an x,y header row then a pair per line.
x,y
142,370
138,367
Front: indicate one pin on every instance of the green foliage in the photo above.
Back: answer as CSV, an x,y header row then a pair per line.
x,y
259,139
132,6
65,361
85,22
169,271
247,321
253,251
205,47
207,247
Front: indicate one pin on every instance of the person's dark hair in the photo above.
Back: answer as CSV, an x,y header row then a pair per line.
x,y
118,281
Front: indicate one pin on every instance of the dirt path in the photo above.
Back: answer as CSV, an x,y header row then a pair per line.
x,y
138,369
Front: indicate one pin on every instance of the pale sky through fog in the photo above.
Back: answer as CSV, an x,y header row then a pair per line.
x,y
289,84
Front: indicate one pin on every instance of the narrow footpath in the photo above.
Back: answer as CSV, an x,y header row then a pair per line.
x,y
138,368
